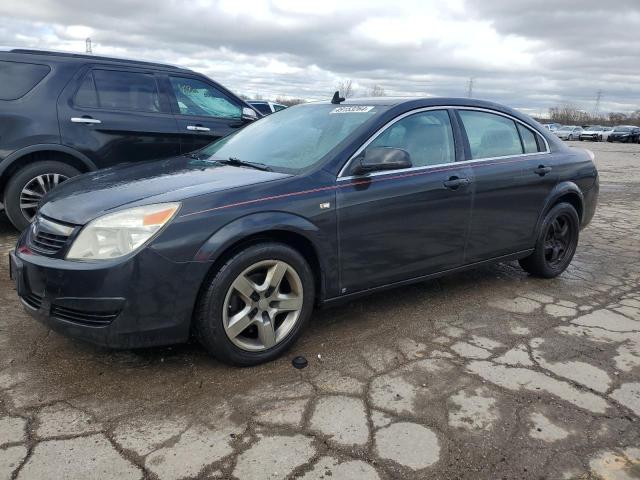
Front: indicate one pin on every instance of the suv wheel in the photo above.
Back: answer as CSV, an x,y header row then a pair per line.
x,y
256,306
556,243
27,186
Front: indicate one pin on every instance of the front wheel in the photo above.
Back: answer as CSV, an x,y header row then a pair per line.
x,y
256,306
28,185
556,244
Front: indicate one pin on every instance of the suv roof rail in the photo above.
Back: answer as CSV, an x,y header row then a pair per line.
x,y
55,53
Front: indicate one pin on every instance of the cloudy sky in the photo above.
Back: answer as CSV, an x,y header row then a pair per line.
x,y
530,54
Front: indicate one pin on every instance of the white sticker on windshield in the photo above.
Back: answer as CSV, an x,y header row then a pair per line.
x,y
352,109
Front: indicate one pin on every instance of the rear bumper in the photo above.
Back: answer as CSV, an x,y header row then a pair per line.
x,y
144,301
590,202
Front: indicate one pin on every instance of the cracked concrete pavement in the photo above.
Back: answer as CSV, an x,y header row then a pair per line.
x,y
486,374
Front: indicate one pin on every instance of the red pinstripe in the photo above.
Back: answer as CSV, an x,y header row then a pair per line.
x,y
453,166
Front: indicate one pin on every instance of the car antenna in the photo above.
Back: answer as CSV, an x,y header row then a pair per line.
x,y
337,99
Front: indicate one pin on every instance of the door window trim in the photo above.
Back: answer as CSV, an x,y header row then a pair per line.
x,y
342,177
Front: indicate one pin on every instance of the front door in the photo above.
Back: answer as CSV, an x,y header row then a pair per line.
x,y
398,225
115,116
204,112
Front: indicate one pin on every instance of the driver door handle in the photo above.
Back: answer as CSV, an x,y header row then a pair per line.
x,y
198,128
542,170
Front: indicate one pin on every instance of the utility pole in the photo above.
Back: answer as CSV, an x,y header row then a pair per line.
x,y
598,99
88,45
470,88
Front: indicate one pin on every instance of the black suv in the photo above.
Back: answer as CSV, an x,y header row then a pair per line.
x,y
62,114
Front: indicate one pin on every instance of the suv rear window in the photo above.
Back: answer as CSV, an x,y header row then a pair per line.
x,y
18,78
116,90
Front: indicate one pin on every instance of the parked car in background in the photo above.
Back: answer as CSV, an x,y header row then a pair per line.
x,y
318,204
625,133
62,114
552,127
595,133
569,132
265,107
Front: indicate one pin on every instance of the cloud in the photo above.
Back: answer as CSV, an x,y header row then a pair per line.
x,y
531,54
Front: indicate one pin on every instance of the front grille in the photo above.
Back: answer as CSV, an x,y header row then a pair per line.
x,y
47,242
83,317
32,300
49,237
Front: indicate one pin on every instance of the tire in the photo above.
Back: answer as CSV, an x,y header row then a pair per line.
x,y
570,138
220,301
48,169
541,263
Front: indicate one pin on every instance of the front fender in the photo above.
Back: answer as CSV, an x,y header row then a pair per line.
x,y
269,222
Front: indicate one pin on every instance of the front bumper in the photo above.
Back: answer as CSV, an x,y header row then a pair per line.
x,y
145,300
589,136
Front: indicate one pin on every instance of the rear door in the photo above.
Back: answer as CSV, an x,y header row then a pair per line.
x,y
117,115
513,176
203,111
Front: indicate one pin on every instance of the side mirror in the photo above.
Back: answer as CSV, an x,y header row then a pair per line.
x,y
249,114
382,158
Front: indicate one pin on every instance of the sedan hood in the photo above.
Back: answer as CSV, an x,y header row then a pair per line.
x,y
89,196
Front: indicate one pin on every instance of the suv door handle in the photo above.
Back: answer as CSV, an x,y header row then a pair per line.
x,y
455,182
542,170
86,120
198,128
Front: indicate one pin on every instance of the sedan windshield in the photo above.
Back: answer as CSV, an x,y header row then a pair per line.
x,y
565,129
623,129
292,139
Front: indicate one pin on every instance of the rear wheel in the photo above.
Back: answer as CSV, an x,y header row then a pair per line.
x,y
556,243
256,306
28,185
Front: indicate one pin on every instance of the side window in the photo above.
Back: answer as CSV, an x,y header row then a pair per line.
x,y
490,135
86,96
427,136
18,78
124,90
262,108
199,98
529,140
277,107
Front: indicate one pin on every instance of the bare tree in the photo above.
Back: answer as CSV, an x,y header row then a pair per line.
x,y
376,91
289,102
345,87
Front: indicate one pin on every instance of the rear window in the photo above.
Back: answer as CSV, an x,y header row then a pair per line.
x,y
17,78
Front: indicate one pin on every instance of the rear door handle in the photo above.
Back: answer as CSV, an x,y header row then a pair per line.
x,y
198,128
542,170
86,120
455,182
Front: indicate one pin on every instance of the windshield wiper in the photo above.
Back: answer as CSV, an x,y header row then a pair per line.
x,y
236,162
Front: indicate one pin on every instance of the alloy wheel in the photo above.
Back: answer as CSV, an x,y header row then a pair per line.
x,y
558,242
35,189
263,304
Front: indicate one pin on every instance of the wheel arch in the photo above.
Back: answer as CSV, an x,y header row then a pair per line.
x,y
35,153
567,192
289,229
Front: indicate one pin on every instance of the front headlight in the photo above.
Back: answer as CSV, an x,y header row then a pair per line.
x,y
118,234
